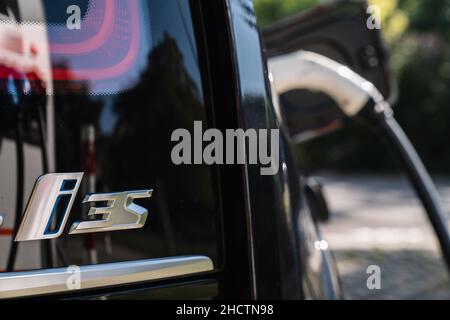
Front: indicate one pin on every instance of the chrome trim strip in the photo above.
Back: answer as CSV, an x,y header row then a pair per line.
x,y
31,283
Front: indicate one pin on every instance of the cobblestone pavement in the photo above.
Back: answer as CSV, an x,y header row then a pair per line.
x,y
378,221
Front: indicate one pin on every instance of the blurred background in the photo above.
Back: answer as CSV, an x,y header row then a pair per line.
x,y
376,218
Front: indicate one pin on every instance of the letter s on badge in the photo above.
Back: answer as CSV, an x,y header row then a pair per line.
x,y
119,214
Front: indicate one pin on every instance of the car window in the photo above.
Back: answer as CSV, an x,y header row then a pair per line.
x,y
116,77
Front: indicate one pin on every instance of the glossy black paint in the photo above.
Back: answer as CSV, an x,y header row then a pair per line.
x,y
235,279
273,260
283,232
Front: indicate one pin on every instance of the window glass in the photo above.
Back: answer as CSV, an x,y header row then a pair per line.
x,y
115,84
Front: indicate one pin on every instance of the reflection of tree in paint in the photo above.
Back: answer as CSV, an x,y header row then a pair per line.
x,y
165,99
75,108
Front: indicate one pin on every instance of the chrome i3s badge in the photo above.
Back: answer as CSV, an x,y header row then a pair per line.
x,y
57,192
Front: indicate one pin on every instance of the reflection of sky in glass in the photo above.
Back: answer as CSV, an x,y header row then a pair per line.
x,y
116,37
108,51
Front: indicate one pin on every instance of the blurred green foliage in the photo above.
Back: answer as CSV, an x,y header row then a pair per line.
x,y
418,36
269,11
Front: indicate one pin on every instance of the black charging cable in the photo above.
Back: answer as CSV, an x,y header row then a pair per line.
x,y
379,117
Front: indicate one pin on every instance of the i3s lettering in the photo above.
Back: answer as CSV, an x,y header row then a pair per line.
x,y
57,192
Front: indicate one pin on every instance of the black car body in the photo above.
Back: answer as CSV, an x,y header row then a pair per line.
x,y
193,60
